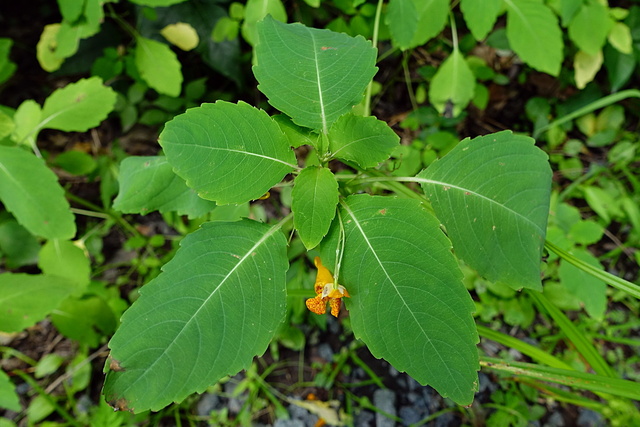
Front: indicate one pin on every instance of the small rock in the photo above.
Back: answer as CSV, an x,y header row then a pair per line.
x,y
288,423
385,400
555,420
364,419
325,351
589,418
208,402
409,415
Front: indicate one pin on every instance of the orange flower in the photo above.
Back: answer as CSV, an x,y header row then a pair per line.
x,y
326,290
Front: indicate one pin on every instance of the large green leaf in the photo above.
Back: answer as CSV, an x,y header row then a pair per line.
x,y
453,83
590,27
149,184
480,15
492,194
432,18
27,298
78,106
364,140
402,19
534,34
158,66
216,304
408,303
228,153
314,200
312,75
30,190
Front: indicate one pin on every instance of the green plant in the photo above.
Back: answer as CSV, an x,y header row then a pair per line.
x,y
221,299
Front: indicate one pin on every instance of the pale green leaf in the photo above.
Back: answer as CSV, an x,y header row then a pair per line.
x,y
215,306
63,259
149,184
454,83
534,34
492,195
432,18
364,140
158,66
27,120
591,291
620,38
46,48
71,9
402,20
314,76
85,319
30,190
27,298
8,396
255,11
315,196
7,125
590,27
7,66
586,67
182,35
228,153
408,303
480,15
67,40
78,106
297,135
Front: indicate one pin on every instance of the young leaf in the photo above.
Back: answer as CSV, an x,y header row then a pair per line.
x,y
590,27
216,304
27,120
149,184
8,397
586,67
408,303
228,153
534,34
480,15
182,35
454,82
591,291
492,194
30,190
62,258
364,140
27,298
402,19
297,135
78,106
314,200
158,66
312,75
432,17
255,11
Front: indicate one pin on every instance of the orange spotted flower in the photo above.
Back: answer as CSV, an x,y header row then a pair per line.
x,y
326,290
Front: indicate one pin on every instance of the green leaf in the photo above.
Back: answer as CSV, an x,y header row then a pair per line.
x,y
8,396
26,299
85,320
17,245
590,26
27,119
228,153
30,190
408,303
156,3
454,82
432,17
255,11
158,66
534,34
7,67
480,15
297,135
591,291
71,9
78,106
149,184
402,19
364,140
619,37
62,258
492,194
216,304
76,162
46,48
314,76
315,196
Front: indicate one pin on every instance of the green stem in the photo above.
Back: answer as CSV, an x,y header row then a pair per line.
x,y
374,42
407,80
110,213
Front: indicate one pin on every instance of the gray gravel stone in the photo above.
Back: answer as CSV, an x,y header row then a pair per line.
x,y
325,351
207,403
385,400
288,423
555,420
589,418
364,419
409,415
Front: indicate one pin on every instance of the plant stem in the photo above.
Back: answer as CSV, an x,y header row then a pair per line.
x,y
374,42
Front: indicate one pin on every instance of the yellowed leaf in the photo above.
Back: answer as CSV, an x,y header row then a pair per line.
x,y
620,38
586,67
182,35
328,411
46,48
